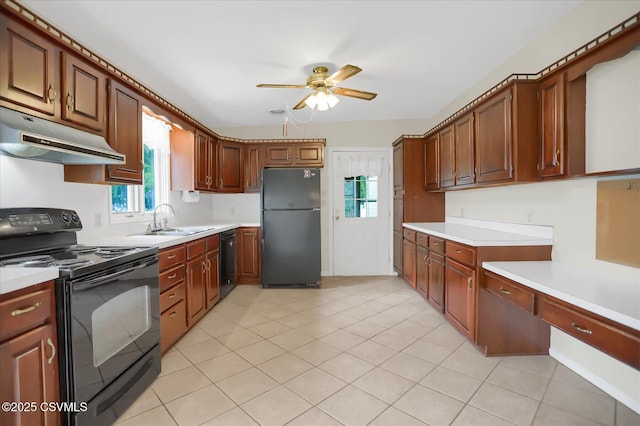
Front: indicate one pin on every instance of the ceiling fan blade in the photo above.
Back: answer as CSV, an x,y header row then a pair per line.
x,y
282,86
367,96
343,74
302,104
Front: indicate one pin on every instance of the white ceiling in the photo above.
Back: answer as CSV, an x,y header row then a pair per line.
x,y
206,57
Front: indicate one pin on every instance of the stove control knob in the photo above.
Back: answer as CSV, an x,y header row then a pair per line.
x,y
66,218
75,218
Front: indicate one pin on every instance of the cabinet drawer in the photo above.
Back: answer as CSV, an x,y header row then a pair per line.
x,y
461,253
173,325
512,292
196,248
171,277
172,296
171,257
436,244
617,340
213,242
409,234
422,239
25,311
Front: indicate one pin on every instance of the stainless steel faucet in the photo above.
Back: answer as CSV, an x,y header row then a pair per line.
x,y
156,226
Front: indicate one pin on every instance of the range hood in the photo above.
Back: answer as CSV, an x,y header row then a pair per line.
x,y
25,136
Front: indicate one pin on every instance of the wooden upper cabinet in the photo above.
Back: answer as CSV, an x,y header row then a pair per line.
x,y
253,159
278,155
230,167
84,93
306,154
203,176
125,133
464,150
29,70
398,166
507,135
309,154
552,125
447,157
494,140
432,163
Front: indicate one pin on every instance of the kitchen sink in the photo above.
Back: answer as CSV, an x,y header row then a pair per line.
x,y
186,230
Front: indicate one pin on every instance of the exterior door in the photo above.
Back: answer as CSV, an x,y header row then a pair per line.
x,y
361,214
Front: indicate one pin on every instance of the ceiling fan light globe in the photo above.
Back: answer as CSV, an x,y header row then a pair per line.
x,y
311,102
322,100
332,100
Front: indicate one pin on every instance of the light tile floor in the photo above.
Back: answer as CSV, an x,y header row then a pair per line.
x,y
358,351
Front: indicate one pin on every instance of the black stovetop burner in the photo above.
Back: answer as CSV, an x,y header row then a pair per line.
x,y
39,237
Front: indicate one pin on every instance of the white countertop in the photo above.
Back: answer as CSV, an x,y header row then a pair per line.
x,y
13,278
16,278
164,241
476,236
607,296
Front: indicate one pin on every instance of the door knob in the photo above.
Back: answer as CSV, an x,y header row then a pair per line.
x,y
337,217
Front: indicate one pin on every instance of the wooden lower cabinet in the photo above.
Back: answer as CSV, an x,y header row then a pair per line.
x,y
422,270
173,316
435,280
249,256
196,278
212,271
28,355
460,302
409,262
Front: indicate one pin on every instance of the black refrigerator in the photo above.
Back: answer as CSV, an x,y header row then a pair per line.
x,y
290,220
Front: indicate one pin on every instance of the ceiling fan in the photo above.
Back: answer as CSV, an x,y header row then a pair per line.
x,y
324,90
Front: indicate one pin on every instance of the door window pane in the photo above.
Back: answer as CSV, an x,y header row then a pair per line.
x,y
361,196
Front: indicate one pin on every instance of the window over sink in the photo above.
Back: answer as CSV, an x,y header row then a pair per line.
x,y
129,201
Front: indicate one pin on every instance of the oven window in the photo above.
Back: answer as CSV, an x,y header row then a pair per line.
x,y
120,321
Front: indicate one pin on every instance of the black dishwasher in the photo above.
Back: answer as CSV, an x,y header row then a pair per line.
x,y
228,242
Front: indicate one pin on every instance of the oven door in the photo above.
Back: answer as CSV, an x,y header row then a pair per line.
x,y
114,320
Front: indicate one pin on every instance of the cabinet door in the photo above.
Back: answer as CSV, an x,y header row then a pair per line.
x,y
494,139
252,166
409,262
460,299
29,371
212,260
309,155
249,256
398,169
447,157
125,133
422,257
230,167
551,126
435,280
432,163
278,155
173,325
29,72
464,146
397,252
196,289
203,178
84,93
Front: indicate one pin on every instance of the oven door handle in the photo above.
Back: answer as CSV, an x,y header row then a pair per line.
x,y
85,285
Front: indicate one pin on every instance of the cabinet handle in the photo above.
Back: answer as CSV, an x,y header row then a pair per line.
x,y
556,160
435,243
51,94
173,314
425,259
171,296
25,310
504,291
581,329
458,251
53,350
469,283
69,101
204,267
172,276
208,264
